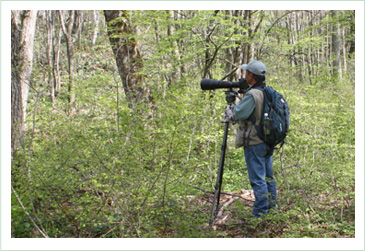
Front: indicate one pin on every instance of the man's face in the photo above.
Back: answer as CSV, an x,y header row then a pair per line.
x,y
249,78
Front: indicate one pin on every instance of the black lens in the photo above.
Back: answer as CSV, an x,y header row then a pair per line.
x,y
211,84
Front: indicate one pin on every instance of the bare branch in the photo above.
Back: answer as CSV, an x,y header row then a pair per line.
x,y
26,212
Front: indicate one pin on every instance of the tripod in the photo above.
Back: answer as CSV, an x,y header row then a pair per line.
x,y
227,118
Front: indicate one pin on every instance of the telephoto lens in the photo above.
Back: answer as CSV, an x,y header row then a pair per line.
x,y
211,84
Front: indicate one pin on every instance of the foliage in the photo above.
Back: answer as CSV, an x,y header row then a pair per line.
x,y
100,168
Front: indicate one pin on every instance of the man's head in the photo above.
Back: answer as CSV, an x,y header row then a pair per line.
x,y
255,72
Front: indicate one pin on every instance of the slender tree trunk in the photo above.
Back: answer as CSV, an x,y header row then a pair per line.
x,y
234,55
336,63
79,17
175,50
50,42
96,25
69,43
247,50
22,41
181,45
352,41
209,56
56,62
310,50
344,49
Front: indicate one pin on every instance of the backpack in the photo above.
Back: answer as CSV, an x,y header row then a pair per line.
x,y
274,124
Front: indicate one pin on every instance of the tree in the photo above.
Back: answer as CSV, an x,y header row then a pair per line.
x,y
95,25
50,43
127,54
22,41
70,53
55,52
336,46
175,49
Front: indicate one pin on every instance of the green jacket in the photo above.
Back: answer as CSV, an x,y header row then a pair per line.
x,y
252,103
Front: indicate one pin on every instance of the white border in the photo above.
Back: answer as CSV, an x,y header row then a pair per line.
x,y
179,244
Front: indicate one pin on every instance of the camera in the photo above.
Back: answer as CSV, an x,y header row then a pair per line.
x,y
211,84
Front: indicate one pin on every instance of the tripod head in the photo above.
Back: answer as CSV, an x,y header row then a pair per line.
x,y
228,116
231,96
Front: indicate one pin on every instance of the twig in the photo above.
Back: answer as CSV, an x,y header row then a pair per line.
x,y
230,73
111,230
225,193
217,48
201,189
26,212
191,142
220,212
235,195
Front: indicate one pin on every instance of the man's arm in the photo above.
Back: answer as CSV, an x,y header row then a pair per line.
x,y
244,109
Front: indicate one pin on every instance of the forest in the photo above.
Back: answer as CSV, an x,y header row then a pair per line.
x,y
113,137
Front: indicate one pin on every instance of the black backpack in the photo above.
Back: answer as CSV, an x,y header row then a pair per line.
x,y
274,124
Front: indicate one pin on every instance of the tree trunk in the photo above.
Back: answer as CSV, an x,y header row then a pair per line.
x,y
126,52
181,45
50,42
79,18
234,56
352,41
22,40
69,43
175,53
96,25
209,56
310,51
344,49
56,62
336,46
247,46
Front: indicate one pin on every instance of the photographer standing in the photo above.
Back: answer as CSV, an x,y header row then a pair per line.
x,y
257,154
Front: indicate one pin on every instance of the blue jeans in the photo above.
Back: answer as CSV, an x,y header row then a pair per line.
x,y
259,166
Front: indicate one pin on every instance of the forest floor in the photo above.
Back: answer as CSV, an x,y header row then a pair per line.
x,y
226,222
233,220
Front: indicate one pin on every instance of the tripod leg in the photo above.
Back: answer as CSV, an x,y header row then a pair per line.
x,y
218,185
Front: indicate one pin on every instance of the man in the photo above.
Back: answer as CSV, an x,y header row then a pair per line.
x,y
257,154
